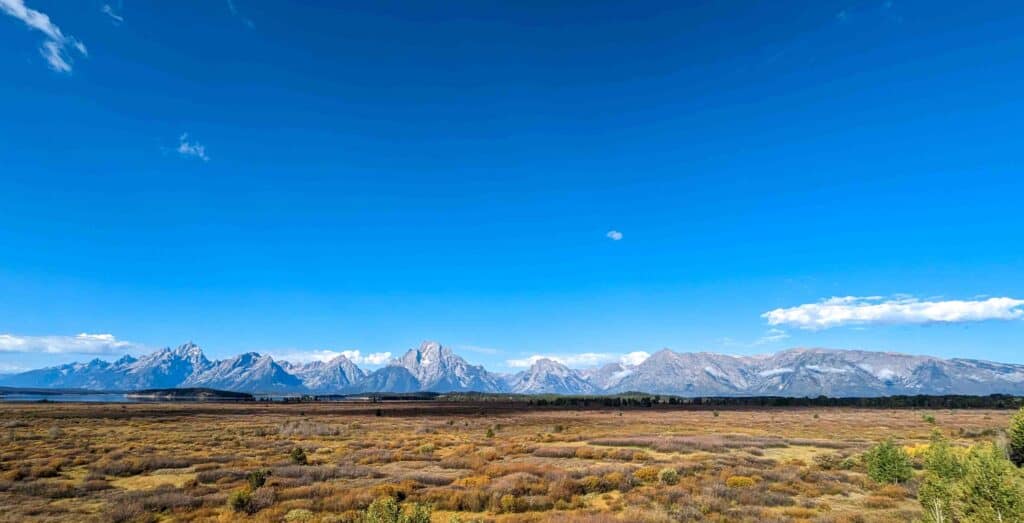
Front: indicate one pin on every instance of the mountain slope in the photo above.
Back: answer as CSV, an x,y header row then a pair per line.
x,y
249,372
327,376
546,376
391,378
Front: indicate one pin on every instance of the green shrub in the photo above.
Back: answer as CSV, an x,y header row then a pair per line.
x,y
239,501
490,432
257,478
888,463
298,456
669,476
383,510
386,509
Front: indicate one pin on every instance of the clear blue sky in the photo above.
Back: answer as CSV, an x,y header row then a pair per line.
x,y
369,175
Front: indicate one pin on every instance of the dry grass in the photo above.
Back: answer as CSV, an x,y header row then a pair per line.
x,y
178,462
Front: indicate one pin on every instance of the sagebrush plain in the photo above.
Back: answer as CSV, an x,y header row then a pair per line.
x,y
329,462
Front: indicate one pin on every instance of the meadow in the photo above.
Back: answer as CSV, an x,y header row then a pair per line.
x,y
419,461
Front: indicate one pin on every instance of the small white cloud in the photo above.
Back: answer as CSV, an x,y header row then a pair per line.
x,y
53,48
355,356
773,335
108,10
195,149
481,350
7,368
582,360
80,344
614,235
854,310
634,358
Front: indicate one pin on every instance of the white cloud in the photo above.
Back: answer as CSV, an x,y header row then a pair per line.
x,y
774,334
635,358
582,360
80,344
357,357
614,235
56,41
478,349
187,148
108,10
854,310
6,368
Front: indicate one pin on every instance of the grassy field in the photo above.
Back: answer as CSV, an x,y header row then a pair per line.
x,y
190,462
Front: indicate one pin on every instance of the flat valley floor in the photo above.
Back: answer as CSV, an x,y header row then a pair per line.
x,y
469,462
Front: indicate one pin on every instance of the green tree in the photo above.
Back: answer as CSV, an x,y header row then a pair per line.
x,y
991,490
1016,435
887,462
943,471
298,456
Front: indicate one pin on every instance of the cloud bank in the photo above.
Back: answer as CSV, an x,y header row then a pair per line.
x,y
79,344
583,359
54,48
355,356
854,310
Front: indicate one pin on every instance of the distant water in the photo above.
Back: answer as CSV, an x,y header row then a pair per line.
x,y
63,398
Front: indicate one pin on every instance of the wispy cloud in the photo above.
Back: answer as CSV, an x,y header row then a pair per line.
x,y
54,47
234,12
613,235
582,360
7,368
355,356
854,310
109,10
773,335
477,349
79,344
191,148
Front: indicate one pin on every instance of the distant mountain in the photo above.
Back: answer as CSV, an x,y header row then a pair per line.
x,y
607,376
327,376
435,368
249,372
94,375
438,369
550,377
162,369
391,378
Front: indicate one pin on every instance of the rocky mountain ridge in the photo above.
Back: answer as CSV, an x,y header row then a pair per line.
x,y
436,368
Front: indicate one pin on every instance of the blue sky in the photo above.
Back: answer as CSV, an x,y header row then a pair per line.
x,y
318,176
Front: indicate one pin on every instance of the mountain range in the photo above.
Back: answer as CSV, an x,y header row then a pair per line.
x,y
436,368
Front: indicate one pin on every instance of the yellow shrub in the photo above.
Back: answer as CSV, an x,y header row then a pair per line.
x,y
647,474
739,482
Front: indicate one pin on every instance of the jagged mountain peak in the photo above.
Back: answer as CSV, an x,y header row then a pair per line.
x,y
438,368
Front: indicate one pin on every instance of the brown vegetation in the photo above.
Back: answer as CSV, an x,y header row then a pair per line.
x,y
328,462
